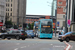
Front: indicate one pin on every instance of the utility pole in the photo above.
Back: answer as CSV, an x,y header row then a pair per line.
x,y
56,18
66,17
22,13
52,8
18,14
56,21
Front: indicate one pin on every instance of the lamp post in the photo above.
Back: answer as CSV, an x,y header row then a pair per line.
x,y
18,14
56,18
66,17
54,12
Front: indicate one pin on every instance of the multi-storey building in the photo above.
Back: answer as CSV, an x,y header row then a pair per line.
x,y
71,15
2,11
53,13
61,12
16,10
31,18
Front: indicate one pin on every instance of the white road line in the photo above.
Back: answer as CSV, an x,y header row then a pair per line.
x,y
16,49
68,46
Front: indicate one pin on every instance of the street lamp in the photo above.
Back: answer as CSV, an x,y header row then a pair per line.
x,y
18,14
66,17
55,12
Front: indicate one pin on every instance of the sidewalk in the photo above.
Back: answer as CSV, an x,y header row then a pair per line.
x,y
55,38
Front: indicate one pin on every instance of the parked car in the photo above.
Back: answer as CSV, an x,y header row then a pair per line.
x,y
67,37
18,34
30,33
2,34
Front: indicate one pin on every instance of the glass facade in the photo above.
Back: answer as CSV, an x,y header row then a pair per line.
x,y
53,8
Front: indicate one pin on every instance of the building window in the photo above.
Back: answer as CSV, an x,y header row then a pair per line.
x,y
64,9
8,1
10,19
11,14
8,14
11,5
8,9
63,16
11,0
8,5
60,2
11,9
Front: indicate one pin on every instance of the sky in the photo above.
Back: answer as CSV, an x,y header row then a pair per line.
x,y
38,7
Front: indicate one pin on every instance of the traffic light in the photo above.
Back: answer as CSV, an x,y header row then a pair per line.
x,y
24,25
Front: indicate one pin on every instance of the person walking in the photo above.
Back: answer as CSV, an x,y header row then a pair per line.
x,y
60,33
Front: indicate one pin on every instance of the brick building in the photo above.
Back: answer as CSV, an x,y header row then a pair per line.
x,y
61,11
32,18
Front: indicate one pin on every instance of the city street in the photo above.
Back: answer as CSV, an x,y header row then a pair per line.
x,y
21,19
33,44
72,43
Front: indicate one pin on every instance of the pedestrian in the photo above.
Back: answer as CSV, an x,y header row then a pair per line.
x,y
60,33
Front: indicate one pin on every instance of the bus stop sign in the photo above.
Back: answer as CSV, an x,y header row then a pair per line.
x,y
1,24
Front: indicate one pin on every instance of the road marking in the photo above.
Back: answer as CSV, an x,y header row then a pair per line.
x,y
16,49
68,46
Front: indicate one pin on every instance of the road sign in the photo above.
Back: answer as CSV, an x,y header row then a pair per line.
x,y
68,23
1,24
57,24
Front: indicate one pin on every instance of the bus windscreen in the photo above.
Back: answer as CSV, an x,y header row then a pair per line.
x,y
46,27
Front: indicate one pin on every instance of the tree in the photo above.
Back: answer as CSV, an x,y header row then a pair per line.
x,y
29,26
32,25
15,26
8,24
